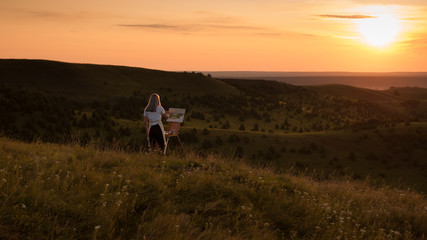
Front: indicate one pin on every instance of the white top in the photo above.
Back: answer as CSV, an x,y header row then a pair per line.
x,y
153,117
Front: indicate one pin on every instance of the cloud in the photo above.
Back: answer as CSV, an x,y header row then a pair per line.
x,y
393,2
345,16
192,27
152,26
45,14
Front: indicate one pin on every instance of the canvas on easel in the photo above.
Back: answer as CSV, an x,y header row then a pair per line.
x,y
176,117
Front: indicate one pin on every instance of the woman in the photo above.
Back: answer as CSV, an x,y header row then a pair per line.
x,y
153,113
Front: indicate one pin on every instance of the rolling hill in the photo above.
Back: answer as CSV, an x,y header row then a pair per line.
x,y
337,129
89,81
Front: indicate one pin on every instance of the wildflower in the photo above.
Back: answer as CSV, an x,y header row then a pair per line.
x,y
4,180
97,227
242,207
23,206
260,177
118,203
120,176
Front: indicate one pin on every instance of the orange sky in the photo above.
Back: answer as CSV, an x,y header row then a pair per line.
x,y
220,35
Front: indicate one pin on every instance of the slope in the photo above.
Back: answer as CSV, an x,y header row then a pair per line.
x,y
102,81
70,192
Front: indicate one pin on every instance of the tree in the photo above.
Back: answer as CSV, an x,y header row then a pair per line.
x,y
219,141
238,153
205,132
256,128
206,144
226,125
242,127
351,156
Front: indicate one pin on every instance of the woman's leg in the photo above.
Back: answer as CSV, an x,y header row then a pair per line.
x,y
156,137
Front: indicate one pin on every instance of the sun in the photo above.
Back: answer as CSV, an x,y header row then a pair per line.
x,y
379,31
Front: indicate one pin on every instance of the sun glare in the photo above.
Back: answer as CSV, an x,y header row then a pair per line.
x,y
379,31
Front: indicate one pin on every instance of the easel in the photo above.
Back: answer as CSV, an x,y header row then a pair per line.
x,y
173,131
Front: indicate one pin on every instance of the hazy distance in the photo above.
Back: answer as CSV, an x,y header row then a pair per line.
x,y
369,80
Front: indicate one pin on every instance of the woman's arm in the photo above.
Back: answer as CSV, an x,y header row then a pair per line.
x,y
166,115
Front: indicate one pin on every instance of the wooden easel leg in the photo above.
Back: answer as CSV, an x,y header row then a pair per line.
x,y
182,146
166,146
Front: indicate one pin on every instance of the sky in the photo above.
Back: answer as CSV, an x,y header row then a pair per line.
x,y
221,35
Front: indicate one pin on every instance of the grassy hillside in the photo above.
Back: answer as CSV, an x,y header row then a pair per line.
x,y
354,93
66,191
392,154
331,129
405,100
90,81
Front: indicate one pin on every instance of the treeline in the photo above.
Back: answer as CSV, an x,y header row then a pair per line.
x,y
30,116
33,116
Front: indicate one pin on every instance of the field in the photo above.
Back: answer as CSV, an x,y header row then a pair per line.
x,y
332,160
67,191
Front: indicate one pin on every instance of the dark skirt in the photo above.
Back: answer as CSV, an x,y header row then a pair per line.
x,y
155,137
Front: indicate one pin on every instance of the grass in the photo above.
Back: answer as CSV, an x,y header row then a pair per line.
x,y
53,191
394,154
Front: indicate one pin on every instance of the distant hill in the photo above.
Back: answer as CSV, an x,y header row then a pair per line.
x,y
262,74
355,93
103,81
377,81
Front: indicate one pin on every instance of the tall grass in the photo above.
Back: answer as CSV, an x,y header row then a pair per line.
x,y
52,191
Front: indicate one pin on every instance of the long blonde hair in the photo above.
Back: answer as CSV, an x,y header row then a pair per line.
x,y
153,102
